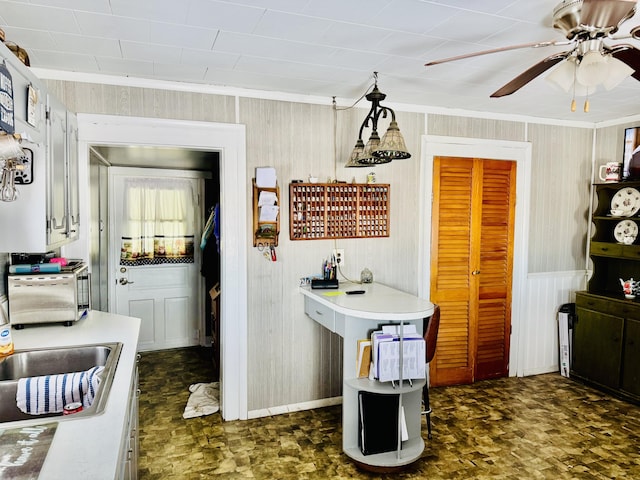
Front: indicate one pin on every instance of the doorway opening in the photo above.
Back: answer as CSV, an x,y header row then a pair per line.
x,y
229,141
172,315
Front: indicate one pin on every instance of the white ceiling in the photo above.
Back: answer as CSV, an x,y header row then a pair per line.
x,y
322,48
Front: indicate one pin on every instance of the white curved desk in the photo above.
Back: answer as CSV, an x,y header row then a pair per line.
x,y
354,317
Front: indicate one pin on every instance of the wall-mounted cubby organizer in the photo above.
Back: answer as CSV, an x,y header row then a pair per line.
x,y
338,210
266,218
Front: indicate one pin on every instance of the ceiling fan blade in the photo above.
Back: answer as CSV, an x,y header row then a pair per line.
x,y
629,55
529,74
606,13
497,50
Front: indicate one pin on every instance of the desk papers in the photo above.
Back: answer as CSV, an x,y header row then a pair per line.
x,y
385,365
266,177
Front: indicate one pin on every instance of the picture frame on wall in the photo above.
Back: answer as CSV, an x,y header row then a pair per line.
x,y
631,147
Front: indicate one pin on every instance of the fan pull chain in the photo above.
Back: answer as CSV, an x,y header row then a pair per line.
x,y
586,102
573,99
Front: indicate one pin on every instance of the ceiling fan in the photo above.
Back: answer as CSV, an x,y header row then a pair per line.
x,y
586,25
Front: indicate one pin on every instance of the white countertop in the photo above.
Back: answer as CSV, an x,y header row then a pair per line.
x,y
86,447
377,300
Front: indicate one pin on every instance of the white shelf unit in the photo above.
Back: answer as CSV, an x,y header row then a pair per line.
x,y
354,317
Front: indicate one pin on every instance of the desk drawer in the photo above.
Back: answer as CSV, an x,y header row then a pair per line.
x,y
322,314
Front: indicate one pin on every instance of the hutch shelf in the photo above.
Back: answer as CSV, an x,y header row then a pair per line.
x,y
606,331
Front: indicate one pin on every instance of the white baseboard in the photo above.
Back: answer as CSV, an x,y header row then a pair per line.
x,y
542,370
295,407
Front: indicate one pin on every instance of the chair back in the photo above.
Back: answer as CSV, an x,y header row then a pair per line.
x,y
431,333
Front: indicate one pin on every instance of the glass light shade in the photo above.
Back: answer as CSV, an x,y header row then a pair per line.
x,y
392,145
367,157
563,76
617,72
355,154
593,69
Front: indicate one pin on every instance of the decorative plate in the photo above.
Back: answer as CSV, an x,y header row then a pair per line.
x,y
626,232
627,200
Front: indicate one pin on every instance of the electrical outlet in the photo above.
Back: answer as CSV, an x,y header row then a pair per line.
x,y
338,254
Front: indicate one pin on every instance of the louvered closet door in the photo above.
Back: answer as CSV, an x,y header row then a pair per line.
x,y
471,265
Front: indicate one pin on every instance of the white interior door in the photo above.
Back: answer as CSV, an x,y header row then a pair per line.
x,y
166,297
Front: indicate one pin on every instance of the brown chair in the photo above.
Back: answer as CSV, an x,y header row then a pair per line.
x,y
430,339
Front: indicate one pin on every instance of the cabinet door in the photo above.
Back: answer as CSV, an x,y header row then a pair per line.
x,y
57,173
597,347
631,358
73,209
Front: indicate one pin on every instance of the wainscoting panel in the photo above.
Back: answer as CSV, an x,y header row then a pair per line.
x,y
545,294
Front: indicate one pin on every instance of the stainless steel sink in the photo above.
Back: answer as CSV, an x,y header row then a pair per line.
x,y
51,361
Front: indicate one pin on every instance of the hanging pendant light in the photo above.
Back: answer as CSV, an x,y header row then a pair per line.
x,y
392,145
355,154
378,151
368,156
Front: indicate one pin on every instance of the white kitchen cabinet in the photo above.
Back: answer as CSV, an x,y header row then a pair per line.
x,y
62,186
130,442
45,214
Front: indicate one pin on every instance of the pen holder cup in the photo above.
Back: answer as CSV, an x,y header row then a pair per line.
x,y
329,273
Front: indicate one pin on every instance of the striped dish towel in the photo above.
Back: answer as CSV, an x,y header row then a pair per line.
x,y
50,393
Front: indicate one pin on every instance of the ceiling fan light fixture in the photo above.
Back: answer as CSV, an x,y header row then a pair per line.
x,y
593,69
563,76
617,72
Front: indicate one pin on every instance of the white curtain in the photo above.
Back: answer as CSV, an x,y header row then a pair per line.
x,y
158,221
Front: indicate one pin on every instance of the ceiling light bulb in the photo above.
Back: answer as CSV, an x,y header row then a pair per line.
x,y
593,69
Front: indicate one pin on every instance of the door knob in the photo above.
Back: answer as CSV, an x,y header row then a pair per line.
x,y
124,281
475,272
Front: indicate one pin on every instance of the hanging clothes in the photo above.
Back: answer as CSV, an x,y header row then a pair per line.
x,y
212,227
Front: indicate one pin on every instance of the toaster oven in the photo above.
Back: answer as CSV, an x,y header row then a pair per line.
x,y
63,297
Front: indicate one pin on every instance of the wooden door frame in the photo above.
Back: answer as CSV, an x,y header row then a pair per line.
x,y
520,152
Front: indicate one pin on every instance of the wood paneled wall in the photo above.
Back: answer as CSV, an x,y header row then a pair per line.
x,y
143,102
545,294
560,192
292,359
454,126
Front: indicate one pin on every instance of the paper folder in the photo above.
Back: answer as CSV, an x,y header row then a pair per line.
x,y
386,357
377,422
